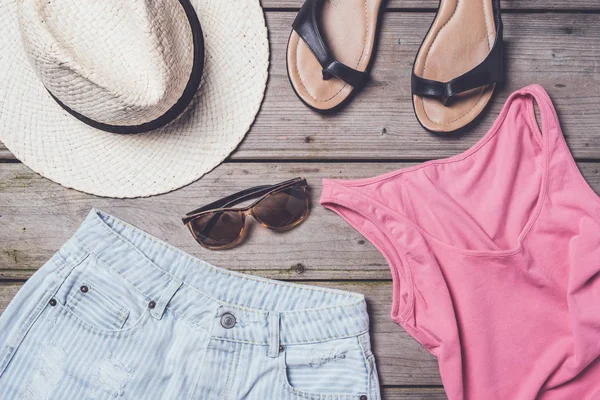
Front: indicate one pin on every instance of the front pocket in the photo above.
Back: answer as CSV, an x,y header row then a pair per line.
x,y
95,308
334,370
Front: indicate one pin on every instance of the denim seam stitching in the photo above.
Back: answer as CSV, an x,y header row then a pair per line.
x,y
233,370
120,333
300,342
243,308
306,395
77,296
326,339
109,266
61,264
196,323
366,362
22,332
69,266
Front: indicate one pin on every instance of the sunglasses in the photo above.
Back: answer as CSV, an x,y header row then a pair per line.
x,y
218,226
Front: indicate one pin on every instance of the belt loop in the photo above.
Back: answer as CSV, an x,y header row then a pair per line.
x,y
165,298
274,318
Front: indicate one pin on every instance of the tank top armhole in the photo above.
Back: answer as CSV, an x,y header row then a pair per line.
x,y
393,252
550,126
531,117
555,139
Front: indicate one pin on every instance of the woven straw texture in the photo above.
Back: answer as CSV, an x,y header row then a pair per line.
x,y
53,143
121,63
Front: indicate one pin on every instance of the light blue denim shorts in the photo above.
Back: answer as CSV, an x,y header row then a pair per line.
x,y
117,313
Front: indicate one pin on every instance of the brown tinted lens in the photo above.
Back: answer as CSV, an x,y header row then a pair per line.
x,y
282,209
218,229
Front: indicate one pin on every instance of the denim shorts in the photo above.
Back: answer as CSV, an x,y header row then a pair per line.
x,y
117,313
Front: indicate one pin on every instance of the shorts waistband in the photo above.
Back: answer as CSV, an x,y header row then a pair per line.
x,y
202,293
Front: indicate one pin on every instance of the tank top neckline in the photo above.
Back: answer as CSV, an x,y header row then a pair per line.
x,y
549,119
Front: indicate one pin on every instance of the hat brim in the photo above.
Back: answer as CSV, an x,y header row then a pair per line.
x,y
58,146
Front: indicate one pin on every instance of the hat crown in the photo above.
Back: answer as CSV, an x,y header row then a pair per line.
x,y
123,63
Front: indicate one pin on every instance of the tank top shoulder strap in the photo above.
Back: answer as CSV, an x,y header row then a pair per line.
x,y
550,127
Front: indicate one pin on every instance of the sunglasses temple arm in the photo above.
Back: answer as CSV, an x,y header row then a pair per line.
x,y
259,191
229,199
241,196
256,191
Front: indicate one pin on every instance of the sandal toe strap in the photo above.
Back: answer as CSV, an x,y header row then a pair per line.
x,y
307,27
489,71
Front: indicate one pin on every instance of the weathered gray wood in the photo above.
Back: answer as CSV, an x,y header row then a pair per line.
x,y
7,292
413,394
559,51
400,359
433,4
37,216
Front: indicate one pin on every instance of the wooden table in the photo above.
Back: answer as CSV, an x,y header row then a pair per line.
x,y
551,42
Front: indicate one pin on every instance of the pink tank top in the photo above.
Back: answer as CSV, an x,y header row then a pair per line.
x,y
495,258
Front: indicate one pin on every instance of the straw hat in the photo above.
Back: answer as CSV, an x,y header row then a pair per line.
x,y
102,96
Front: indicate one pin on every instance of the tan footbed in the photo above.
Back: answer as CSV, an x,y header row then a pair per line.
x,y
460,38
348,27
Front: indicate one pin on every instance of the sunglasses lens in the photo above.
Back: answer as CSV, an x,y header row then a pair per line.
x,y
282,209
218,229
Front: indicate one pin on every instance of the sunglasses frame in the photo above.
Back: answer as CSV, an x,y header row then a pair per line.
x,y
264,192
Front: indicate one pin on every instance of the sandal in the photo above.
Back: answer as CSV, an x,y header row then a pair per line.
x,y
459,64
330,50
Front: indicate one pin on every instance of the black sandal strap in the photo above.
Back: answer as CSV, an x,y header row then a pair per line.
x,y
489,71
307,27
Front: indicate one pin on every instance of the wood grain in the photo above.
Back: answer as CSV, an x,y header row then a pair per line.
x,y
37,216
414,394
559,51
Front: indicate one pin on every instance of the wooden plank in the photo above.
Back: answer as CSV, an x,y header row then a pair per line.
x,y
559,51
400,359
7,292
37,216
397,393
5,154
433,4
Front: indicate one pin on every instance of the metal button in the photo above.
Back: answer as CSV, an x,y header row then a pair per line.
x,y
84,289
52,302
151,305
227,321
281,348
363,397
